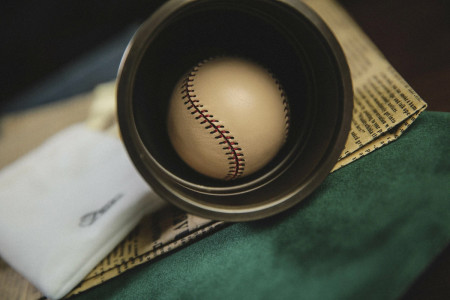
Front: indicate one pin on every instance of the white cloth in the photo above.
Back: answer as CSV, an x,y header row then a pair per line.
x,y
66,205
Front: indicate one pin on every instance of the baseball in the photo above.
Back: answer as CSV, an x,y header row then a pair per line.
x,y
228,117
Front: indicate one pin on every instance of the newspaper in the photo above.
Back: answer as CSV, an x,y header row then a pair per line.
x,y
384,106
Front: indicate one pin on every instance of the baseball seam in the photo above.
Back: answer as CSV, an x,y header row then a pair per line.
x,y
234,153
285,102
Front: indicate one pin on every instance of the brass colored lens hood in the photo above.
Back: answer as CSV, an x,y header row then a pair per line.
x,y
285,36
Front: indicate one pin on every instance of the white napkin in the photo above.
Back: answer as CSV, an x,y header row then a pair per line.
x,y
66,205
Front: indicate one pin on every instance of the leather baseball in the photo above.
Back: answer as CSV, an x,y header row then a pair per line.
x,y
228,117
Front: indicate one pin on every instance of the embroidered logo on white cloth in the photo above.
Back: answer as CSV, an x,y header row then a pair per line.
x,y
89,218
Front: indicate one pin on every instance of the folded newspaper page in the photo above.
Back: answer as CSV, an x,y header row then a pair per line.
x,y
384,106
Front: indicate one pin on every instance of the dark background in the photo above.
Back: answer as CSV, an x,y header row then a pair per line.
x,y
40,38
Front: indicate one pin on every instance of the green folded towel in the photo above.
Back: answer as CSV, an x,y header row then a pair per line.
x,y
367,233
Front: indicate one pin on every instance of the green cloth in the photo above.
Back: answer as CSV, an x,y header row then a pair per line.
x,y
367,233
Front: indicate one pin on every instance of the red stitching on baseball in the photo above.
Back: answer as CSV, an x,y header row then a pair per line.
x,y
235,155
287,111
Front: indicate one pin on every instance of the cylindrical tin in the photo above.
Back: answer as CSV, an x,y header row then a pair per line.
x,y
285,36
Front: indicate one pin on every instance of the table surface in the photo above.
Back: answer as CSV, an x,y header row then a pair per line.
x,y
414,36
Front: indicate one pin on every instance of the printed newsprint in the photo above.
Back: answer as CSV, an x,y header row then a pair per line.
x,y
384,106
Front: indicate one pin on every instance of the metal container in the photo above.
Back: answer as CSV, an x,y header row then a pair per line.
x,y
287,37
